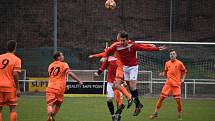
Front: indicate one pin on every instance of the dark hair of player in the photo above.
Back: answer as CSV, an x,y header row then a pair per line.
x,y
123,34
56,55
171,50
11,45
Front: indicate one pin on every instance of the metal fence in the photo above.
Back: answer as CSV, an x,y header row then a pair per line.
x,y
81,27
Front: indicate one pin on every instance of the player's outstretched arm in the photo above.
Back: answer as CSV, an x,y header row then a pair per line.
x,y
73,76
98,55
16,79
142,47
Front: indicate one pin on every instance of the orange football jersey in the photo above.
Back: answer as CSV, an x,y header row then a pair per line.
x,y
57,76
8,64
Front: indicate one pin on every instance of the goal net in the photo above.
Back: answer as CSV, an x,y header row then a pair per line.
x,y
199,59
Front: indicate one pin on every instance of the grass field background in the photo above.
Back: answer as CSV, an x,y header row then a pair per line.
x,y
33,108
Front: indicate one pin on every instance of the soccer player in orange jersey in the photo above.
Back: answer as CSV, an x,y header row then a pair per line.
x,y
58,70
10,67
111,66
119,77
175,72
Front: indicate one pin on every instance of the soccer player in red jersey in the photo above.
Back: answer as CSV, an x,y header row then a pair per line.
x,y
111,65
119,72
175,72
10,67
58,70
127,54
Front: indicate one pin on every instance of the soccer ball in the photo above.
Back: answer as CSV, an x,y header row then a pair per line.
x,y
110,4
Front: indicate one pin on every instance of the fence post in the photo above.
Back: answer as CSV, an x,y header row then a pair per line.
x,y
185,90
194,87
24,89
151,83
104,80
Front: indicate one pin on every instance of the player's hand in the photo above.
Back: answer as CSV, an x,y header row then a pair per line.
x,y
182,80
80,83
96,74
90,56
162,47
161,74
152,45
18,93
103,59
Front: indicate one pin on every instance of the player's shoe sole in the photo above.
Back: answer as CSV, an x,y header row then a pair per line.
x,y
138,110
130,103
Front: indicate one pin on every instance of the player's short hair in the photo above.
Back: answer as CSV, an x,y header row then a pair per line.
x,y
171,50
11,45
56,55
123,34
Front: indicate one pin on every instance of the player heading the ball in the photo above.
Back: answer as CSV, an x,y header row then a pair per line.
x,y
127,53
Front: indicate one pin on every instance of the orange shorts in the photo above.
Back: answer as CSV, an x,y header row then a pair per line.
x,y
8,99
53,97
174,90
119,73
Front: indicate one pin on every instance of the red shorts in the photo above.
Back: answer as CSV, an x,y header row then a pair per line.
x,y
174,90
8,99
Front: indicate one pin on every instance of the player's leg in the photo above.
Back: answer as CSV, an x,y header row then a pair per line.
x,y
110,96
11,100
56,108
58,103
133,73
50,100
13,114
120,105
118,82
118,97
117,86
1,104
177,96
1,107
164,94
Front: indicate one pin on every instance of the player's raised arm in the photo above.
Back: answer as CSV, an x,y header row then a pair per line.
x,y
73,76
98,55
142,47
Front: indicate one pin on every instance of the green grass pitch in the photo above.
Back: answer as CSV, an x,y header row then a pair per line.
x,y
94,109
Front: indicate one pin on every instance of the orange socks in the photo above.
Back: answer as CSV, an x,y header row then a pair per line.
x,y
118,97
179,104
159,103
125,92
13,116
